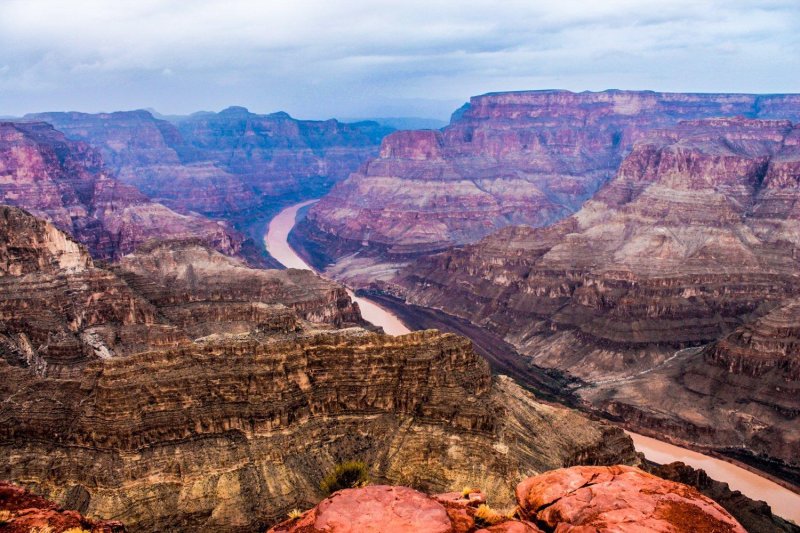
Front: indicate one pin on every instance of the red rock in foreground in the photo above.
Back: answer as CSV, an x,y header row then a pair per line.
x,y
21,511
577,499
618,498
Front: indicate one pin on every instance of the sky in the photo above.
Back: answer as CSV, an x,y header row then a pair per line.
x,y
380,58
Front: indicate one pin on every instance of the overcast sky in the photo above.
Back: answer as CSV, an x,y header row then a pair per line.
x,y
353,58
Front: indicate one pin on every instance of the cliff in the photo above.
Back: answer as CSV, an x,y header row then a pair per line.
x,y
520,158
183,390
68,184
693,243
223,164
24,512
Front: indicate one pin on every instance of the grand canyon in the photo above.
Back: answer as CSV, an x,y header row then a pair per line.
x,y
562,310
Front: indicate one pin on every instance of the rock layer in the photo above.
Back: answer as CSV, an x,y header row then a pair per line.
x,y
505,159
67,183
223,164
695,237
182,390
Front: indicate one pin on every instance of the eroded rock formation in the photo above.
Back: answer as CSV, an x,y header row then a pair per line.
x,y
223,164
693,243
67,183
578,499
182,390
505,159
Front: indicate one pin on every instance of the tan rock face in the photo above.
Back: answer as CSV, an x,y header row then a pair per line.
x,y
223,164
506,158
577,499
68,184
694,242
183,390
618,498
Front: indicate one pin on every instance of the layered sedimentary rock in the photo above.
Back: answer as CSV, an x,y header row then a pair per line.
x,y
616,498
67,183
223,164
693,243
61,312
24,512
182,390
506,158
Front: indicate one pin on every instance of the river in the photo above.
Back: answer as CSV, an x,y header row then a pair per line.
x,y
784,502
277,244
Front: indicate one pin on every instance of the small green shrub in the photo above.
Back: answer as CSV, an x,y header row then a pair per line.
x,y
294,514
347,475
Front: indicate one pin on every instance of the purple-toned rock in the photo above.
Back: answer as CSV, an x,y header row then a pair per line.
x,y
514,158
223,164
67,183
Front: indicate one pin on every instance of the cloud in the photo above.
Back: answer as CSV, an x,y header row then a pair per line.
x,y
323,58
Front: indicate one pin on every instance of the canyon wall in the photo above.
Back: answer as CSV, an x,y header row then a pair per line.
x,y
181,390
671,293
226,164
69,184
518,158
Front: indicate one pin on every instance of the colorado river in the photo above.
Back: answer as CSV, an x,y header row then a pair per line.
x,y
784,502
278,247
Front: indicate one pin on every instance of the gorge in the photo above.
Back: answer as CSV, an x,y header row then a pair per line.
x,y
784,502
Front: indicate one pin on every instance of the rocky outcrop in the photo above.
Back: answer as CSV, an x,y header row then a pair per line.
x,y
182,390
755,516
223,164
616,498
68,184
505,159
610,498
24,512
694,238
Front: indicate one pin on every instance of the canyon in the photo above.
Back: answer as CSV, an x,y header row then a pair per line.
x,y
670,294
179,388
69,184
229,165
630,254
528,157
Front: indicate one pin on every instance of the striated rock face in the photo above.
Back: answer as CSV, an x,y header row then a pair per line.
x,y
182,390
67,183
223,164
60,312
694,242
616,498
506,158
24,512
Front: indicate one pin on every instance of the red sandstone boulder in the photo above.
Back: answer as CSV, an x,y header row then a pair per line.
x,y
378,509
618,498
22,511
581,499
